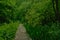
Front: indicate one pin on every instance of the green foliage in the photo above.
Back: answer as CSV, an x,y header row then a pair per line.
x,y
22,9
7,11
38,15
46,32
7,31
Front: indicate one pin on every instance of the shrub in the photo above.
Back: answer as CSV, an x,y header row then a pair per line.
x,y
44,32
40,14
7,31
7,12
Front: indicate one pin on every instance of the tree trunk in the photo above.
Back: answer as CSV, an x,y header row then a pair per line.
x,y
57,11
53,3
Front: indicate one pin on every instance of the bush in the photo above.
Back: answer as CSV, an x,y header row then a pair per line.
x,y
7,11
46,32
7,31
40,14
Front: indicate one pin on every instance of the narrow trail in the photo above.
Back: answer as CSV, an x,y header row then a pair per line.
x,y
21,33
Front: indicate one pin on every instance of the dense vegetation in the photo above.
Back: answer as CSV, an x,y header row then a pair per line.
x,y
40,17
7,31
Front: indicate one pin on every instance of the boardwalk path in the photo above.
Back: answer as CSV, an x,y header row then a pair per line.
x,y
21,33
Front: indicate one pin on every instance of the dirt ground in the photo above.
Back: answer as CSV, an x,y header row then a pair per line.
x,y
21,33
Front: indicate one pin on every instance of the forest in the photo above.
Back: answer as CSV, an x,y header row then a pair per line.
x,y
41,18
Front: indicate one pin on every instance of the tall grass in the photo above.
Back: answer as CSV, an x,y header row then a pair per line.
x,y
50,31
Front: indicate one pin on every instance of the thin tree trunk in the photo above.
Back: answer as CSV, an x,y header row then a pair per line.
x,y
57,10
53,3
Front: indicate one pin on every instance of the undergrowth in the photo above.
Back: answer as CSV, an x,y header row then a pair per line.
x,y
7,31
49,31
